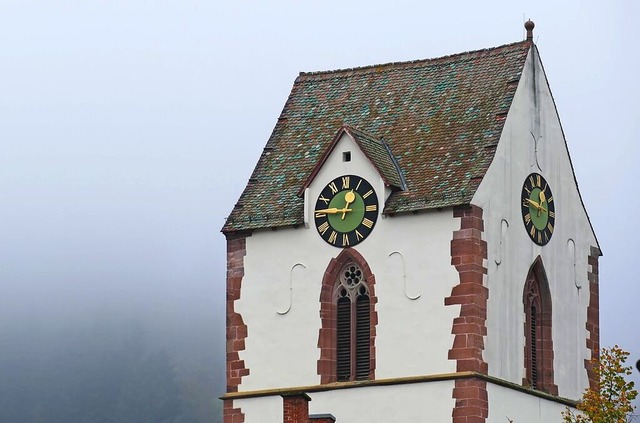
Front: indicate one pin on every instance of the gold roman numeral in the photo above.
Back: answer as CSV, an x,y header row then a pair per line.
x,y
532,181
366,222
345,239
371,208
345,182
333,187
323,228
321,214
539,237
368,193
325,200
550,227
359,236
533,231
333,237
527,218
552,214
358,186
550,200
538,180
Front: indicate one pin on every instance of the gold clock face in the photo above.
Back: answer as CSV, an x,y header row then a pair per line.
x,y
346,211
538,209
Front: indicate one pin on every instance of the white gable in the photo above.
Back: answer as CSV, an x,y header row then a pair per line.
x,y
346,158
533,142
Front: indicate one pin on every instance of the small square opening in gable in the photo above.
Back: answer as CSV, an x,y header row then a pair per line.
x,y
346,156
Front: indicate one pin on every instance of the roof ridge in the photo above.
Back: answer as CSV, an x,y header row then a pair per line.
x,y
367,134
409,62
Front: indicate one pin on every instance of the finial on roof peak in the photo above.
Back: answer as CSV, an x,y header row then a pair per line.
x,y
529,25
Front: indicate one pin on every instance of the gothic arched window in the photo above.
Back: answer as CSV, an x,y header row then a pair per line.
x,y
347,311
538,350
353,324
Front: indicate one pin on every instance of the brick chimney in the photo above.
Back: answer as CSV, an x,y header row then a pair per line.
x,y
295,408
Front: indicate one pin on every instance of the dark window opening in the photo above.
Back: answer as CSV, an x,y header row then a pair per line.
x,y
346,156
538,350
534,350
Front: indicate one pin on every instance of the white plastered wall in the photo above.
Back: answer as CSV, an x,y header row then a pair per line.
x,y
409,256
508,405
418,402
511,252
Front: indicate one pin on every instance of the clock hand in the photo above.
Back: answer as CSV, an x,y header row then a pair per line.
x,y
542,198
533,203
349,197
333,210
536,205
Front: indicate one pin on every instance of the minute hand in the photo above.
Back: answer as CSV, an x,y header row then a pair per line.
x,y
536,205
333,210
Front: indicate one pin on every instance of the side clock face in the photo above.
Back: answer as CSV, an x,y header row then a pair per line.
x,y
538,209
346,211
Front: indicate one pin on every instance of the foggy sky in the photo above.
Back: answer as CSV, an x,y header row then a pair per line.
x,y
128,130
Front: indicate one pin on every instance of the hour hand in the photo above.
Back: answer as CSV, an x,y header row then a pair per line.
x,y
543,198
349,197
333,210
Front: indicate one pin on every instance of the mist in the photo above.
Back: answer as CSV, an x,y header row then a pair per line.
x,y
112,271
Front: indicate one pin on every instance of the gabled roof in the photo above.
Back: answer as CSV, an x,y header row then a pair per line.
x,y
376,150
442,119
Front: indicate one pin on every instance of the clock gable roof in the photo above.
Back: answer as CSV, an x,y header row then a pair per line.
x,y
376,150
440,120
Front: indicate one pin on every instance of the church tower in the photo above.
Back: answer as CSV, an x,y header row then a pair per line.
x,y
412,246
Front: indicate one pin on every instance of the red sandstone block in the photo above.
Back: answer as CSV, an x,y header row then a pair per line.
x,y
476,402
465,353
466,392
472,222
236,365
469,289
238,345
479,383
473,310
231,332
459,341
474,320
469,365
467,234
467,411
471,277
241,332
470,267
234,282
235,319
473,259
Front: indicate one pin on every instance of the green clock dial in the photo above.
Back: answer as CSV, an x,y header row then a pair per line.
x,y
538,209
346,211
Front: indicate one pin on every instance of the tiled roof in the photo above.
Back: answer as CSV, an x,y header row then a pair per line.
x,y
441,118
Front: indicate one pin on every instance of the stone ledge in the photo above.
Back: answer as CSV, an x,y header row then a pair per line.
x,y
400,381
